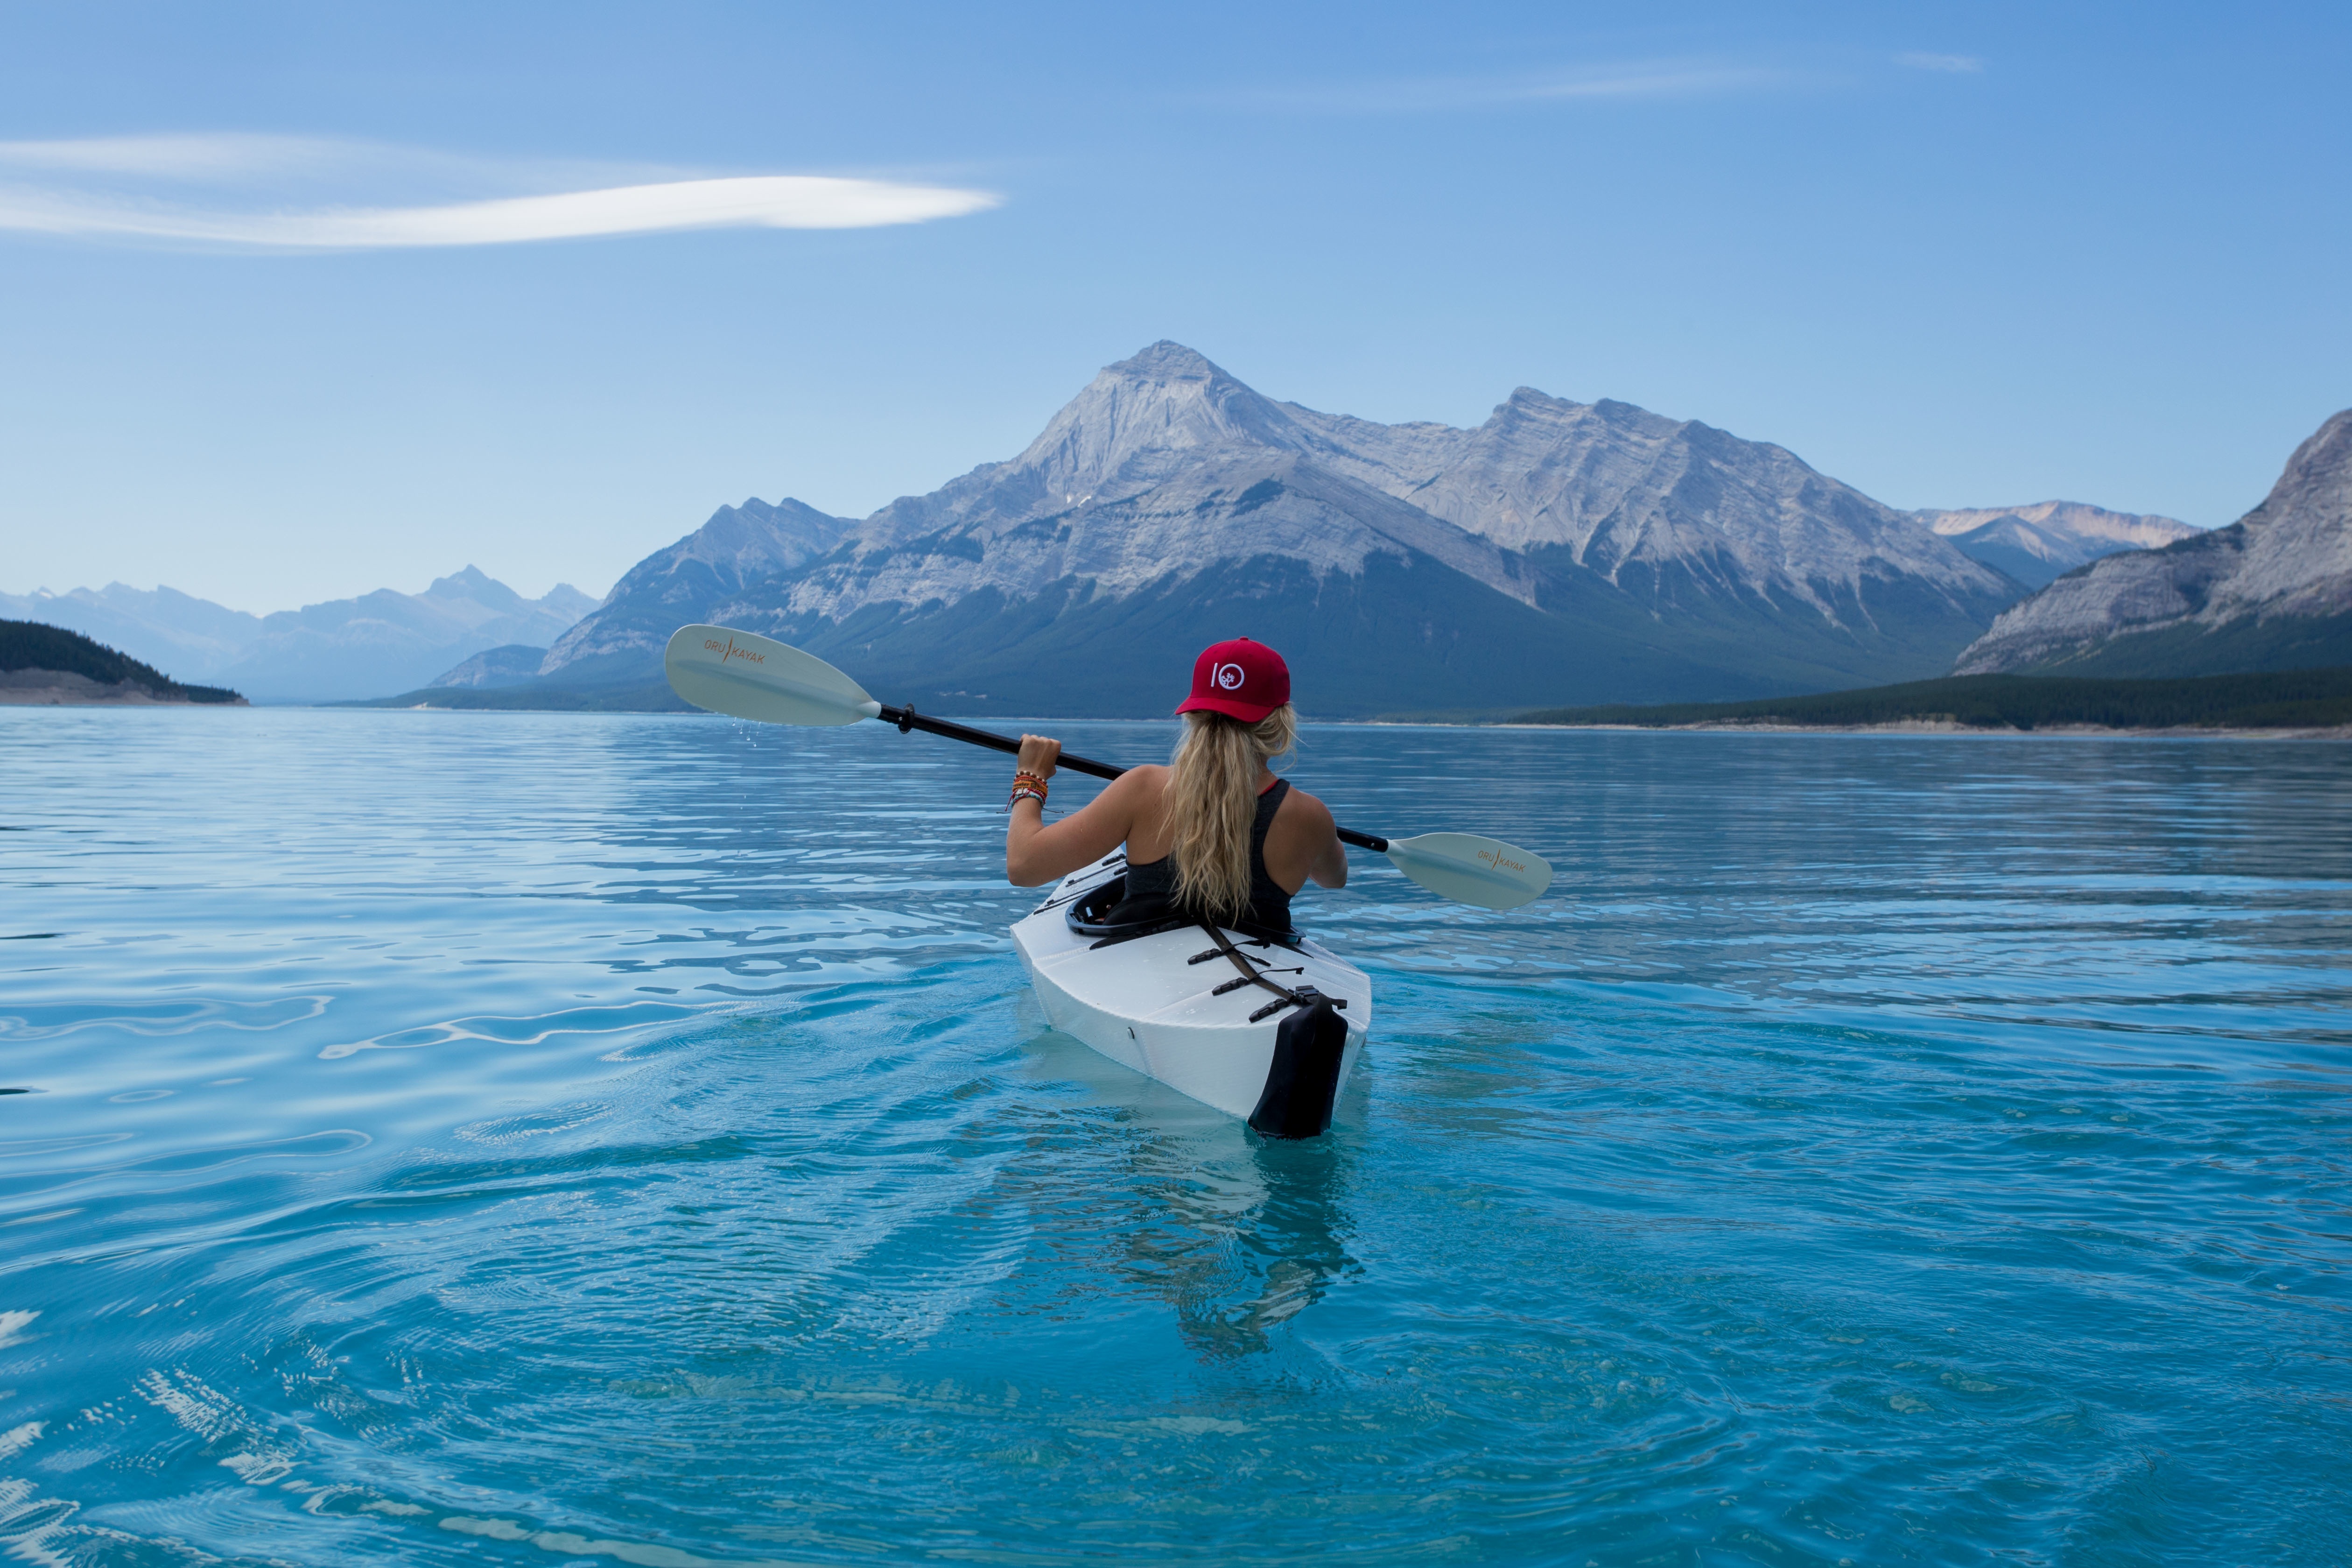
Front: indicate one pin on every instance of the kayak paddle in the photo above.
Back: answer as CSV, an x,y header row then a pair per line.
x,y
747,675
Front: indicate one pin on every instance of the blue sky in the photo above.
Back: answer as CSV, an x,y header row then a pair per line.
x,y
1954,255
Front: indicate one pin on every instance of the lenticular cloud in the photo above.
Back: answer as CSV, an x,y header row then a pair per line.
x,y
44,205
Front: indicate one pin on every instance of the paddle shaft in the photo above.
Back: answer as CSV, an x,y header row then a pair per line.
x,y
907,719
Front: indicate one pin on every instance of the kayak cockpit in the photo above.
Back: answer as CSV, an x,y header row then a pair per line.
x,y
1268,1034
1088,915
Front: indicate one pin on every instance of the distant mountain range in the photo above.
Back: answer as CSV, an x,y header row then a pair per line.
x,y
2272,591
2037,544
381,642
735,552
1559,551
510,664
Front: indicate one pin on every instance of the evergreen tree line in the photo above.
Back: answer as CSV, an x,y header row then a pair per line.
x,y
2272,699
33,645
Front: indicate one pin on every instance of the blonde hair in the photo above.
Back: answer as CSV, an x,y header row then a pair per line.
x,y
1213,802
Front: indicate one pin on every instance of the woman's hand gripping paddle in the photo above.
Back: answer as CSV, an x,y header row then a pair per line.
x,y
747,675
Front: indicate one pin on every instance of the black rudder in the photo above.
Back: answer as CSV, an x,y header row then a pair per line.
x,y
1303,1075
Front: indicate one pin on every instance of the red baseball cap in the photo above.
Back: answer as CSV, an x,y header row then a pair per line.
x,y
1241,679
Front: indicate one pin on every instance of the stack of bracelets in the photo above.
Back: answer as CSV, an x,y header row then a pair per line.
x,y
1027,785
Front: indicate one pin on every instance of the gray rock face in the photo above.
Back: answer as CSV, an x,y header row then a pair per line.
x,y
2037,544
2271,591
1556,546
1144,473
509,665
1163,466
740,546
1616,488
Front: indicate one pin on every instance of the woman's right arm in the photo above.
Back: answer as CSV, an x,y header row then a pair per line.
x,y
1037,852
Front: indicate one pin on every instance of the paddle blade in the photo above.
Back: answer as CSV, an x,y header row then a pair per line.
x,y
747,675
1472,870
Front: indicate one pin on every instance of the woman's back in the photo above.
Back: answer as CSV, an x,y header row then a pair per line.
x,y
1291,840
1214,834
1151,881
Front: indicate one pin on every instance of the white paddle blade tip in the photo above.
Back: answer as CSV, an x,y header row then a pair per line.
x,y
1470,870
747,675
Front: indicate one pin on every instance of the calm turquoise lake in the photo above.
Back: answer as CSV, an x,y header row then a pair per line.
x,y
538,1139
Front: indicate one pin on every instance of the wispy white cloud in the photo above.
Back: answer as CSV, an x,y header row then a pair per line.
x,y
1960,65
771,201
331,165
124,188
1651,79
179,157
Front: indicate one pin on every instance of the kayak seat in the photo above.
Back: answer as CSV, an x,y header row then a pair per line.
x,y
1089,915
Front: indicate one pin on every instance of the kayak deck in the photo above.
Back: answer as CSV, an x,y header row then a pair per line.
x,y
1145,1005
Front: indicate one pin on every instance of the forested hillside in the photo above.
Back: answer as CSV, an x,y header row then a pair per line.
x,y
27,646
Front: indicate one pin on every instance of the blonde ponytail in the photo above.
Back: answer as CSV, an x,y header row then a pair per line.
x,y
1213,801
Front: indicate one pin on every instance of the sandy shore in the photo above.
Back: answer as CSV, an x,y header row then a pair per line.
x,y
63,688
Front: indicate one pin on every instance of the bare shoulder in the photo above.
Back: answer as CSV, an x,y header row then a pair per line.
x,y
1310,813
1130,797
1148,779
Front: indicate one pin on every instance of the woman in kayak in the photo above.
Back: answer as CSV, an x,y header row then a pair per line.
x,y
1214,835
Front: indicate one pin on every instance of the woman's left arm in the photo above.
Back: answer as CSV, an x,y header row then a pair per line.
x,y
1035,854
1330,866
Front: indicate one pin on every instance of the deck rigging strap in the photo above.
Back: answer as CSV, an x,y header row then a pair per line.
x,y
1310,1046
1305,997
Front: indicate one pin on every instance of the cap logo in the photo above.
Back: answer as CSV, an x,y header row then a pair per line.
x,y
1229,678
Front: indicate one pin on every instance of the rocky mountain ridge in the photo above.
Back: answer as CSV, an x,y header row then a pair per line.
x,y
1557,549
162,627
2038,544
739,546
510,664
377,643
2271,591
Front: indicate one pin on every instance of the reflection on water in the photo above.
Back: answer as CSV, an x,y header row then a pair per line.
x,y
451,1137
1241,1245
1297,1243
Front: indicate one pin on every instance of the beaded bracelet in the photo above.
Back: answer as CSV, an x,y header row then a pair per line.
x,y
1022,793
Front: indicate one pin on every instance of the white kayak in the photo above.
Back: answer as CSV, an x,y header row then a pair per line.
x,y
1174,1003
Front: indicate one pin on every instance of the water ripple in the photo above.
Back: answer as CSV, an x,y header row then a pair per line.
x,y
485,1137
531,1030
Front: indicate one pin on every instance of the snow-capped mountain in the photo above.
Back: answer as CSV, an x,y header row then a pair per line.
x,y
2271,591
740,546
2038,544
1558,552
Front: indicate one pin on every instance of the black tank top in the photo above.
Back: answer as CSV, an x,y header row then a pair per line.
x,y
1151,886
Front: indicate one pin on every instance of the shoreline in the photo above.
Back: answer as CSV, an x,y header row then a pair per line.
x,y
135,697
64,689
2001,732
